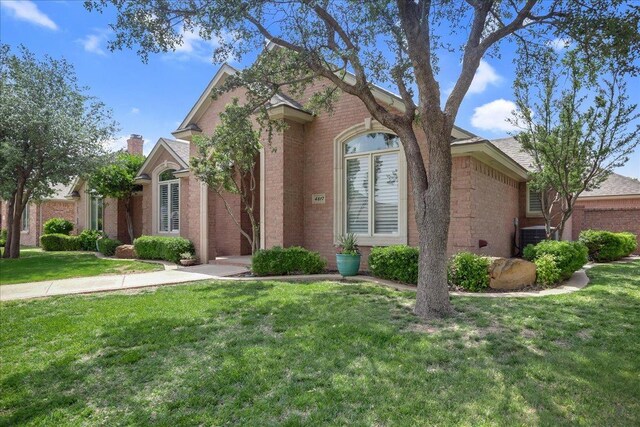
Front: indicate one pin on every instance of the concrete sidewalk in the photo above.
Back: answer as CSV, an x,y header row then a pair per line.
x,y
116,282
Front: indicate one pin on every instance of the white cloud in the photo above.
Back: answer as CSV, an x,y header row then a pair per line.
x,y
485,76
559,44
135,110
93,43
26,10
493,116
195,47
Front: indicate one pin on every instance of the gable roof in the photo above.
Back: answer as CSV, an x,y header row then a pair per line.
x,y
179,150
615,185
512,148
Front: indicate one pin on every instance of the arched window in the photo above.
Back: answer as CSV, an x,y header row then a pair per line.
x,y
168,202
372,193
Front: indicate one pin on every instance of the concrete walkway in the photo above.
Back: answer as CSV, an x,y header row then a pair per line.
x,y
81,285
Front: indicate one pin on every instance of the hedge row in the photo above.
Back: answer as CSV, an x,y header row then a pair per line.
x,y
107,247
568,256
161,247
279,262
58,226
60,242
396,262
605,246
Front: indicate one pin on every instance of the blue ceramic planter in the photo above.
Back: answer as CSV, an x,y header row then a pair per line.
x,y
348,265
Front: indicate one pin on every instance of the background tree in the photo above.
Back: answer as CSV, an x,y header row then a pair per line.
x,y
116,180
578,127
50,131
352,45
226,162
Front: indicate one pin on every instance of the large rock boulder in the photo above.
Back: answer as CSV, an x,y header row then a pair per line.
x,y
511,273
126,251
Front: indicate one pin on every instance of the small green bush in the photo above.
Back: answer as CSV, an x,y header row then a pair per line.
x,y
605,246
60,242
396,262
279,262
569,256
469,271
161,247
88,239
547,271
107,247
3,237
58,226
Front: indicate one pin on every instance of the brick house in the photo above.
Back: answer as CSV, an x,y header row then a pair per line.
x,y
330,174
74,203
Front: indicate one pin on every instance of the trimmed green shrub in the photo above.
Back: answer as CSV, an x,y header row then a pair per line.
x,y
3,237
88,239
569,256
606,246
279,262
107,247
161,247
469,271
396,262
547,271
58,226
60,242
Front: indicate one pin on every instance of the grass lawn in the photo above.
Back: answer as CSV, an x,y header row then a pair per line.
x,y
321,353
35,265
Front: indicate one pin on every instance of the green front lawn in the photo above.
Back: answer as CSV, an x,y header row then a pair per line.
x,y
321,353
35,265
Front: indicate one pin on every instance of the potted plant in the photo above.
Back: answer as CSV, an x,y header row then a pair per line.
x,y
348,256
187,259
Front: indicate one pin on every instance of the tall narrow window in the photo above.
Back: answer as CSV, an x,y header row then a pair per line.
x,y
534,202
169,202
24,221
372,190
96,212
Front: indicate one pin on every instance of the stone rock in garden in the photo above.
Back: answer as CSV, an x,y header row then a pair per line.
x,y
511,273
125,251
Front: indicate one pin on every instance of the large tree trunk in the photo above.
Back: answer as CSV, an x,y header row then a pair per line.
x,y
432,298
10,208
14,249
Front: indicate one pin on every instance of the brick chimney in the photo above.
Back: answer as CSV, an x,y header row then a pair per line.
x,y
134,144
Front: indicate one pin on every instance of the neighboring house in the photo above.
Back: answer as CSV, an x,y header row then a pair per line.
x,y
86,211
613,206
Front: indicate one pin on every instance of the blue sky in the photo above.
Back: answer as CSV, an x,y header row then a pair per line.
x,y
152,99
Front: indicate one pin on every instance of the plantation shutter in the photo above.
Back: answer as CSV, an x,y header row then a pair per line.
x,y
535,204
358,195
164,207
386,195
175,206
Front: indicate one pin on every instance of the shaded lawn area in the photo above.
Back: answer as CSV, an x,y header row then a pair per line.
x,y
35,265
320,353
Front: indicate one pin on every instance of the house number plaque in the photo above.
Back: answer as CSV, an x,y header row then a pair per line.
x,y
318,199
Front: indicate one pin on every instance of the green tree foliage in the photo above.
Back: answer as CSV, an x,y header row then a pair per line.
x,y
323,48
226,162
50,131
117,180
578,126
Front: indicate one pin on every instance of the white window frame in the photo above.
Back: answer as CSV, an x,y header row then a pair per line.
x,y
340,193
170,190
529,212
155,198
25,219
90,198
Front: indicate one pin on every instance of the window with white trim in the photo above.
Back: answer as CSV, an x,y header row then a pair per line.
x,y
24,220
372,193
96,212
168,202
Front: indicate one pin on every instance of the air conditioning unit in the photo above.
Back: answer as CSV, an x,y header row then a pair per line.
x,y
535,234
